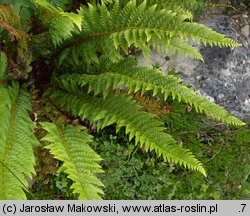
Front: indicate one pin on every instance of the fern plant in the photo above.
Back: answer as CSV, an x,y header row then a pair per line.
x,y
94,78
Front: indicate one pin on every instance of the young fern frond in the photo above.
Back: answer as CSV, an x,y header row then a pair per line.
x,y
70,145
144,79
122,110
16,142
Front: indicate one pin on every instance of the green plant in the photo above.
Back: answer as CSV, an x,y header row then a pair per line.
x,y
224,150
24,8
51,187
89,75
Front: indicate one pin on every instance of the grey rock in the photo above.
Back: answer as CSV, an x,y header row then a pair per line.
x,y
245,30
245,16
223,77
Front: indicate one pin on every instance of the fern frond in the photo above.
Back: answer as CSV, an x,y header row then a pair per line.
x,y
61,24
144,79
143,126
69,144
16,143
180,6
199,32
106,29
61,29
57,11
133,24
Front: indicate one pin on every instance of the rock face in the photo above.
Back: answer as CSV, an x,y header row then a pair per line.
x,y
224,76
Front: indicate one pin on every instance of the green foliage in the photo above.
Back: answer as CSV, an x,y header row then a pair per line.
x,y
22,7
16,141
3,65
61,24
140,25
16,138
100,1
52,187
14,36
89,78
143,126
69,144
132,174
173,4
134,79
224,151
61,3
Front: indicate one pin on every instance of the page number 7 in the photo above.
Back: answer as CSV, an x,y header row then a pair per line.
x,y
243,207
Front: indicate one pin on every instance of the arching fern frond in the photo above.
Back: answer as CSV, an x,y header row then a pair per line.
x,y
199,32
144,127
70,145
106,29
16,143
136,79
